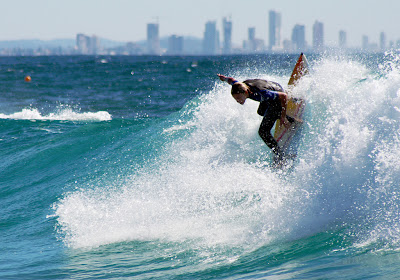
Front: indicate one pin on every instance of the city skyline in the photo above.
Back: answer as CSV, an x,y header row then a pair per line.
x,y
124,20
210,44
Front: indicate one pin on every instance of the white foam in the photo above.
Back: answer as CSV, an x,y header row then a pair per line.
x,y
215,186
352,162
217,206
62,114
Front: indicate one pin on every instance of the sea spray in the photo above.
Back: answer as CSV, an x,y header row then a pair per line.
x,y
207,193
214,184
352,158
200,187
62,113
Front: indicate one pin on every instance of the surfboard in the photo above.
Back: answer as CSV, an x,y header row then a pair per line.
x,y
295,106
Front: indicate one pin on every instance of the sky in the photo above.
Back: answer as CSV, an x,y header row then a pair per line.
x,y
126,20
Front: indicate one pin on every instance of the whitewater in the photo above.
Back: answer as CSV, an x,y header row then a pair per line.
x,y
192,193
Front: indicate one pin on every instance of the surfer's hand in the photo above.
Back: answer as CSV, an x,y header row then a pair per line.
x,y
229,80
285,123
221,77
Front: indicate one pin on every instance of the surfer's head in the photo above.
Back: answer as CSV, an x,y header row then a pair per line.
x,y
240,91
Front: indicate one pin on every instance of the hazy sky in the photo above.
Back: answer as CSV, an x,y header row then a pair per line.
x,y
125,20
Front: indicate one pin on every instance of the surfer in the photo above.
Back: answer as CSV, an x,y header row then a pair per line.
x,y
273,102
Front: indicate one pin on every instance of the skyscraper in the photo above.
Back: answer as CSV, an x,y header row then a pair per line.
x,y
175,45
342,39
94,46
318,36
299,37
252,33
251,43
274,30
153,39
227,45
87,45
211,38
365,42
382,41
82,43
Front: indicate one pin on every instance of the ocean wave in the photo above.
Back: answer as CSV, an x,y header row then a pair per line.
x,y
63,114
214,183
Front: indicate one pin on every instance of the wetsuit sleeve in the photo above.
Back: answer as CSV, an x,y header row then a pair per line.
x,y
268,95
231,81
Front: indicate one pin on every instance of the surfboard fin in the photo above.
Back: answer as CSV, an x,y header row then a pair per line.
x,y
294,119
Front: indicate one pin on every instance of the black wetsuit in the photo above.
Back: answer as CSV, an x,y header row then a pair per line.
x,y
270,108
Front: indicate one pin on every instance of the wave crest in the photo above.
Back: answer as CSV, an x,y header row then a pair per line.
x,y
62,114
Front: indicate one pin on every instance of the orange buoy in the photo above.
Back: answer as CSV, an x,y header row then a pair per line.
x,y
28,79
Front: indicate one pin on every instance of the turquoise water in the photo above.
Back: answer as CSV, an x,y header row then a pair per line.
x,y
146,168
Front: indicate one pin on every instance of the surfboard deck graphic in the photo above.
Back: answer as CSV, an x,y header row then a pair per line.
x,y
295,106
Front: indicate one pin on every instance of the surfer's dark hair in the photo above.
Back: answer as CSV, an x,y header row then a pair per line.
x,y
239,88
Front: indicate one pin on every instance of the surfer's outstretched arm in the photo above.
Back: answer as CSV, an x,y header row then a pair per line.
x,y
229,80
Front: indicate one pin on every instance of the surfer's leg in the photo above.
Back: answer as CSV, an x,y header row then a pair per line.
x,y
265,132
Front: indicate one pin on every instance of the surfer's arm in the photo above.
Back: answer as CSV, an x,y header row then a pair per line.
x,y
229,80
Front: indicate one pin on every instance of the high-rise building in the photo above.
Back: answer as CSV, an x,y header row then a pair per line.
x,y
318,36
382,41
153,39
94,46
251,33
227,28
175,45
274,30
365,42
82,43
342,39
299,37
211,39
251,42
87,45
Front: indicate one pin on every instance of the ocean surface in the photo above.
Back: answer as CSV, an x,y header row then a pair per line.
x,y
147,168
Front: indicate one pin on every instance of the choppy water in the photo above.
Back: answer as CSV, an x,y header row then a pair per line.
x,y
146,168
